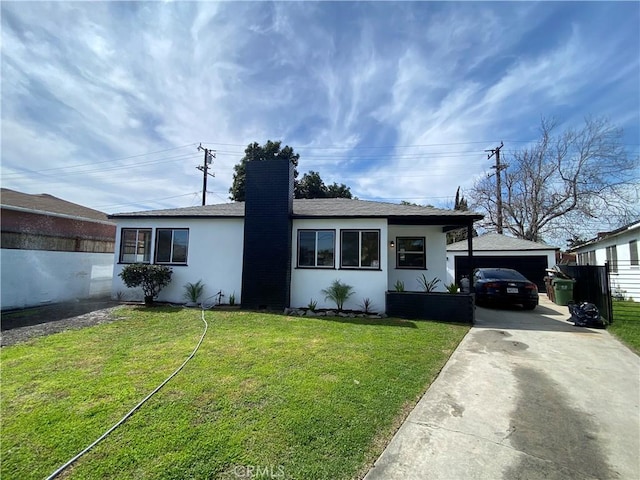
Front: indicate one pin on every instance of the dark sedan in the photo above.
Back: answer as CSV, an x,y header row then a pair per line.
x,y
504,286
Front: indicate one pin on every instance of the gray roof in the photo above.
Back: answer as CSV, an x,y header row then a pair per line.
x,y
606,235
316,208
492,242
48,204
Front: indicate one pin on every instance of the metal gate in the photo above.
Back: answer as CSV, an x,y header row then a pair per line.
x,y
592,285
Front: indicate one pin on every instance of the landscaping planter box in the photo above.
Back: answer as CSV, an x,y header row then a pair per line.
x,y
443,307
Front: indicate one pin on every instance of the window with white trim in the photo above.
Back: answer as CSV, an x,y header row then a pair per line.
x,y
360,249
172,245
316,248
410,253
135,245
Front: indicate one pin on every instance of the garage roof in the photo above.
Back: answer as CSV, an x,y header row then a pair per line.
x,y
495,242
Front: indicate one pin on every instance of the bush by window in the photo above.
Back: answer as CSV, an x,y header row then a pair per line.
x,y
135,245
316,248
360,249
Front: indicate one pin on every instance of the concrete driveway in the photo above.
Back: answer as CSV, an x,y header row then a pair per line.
x,y
525,396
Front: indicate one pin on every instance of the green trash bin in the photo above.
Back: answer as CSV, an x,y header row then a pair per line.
x,y
562,290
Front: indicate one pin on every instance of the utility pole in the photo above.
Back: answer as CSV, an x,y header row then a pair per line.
x,y
209,155
499,167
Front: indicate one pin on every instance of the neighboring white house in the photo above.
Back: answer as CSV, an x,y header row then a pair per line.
x,y
274,252
496,250
618,248
53,250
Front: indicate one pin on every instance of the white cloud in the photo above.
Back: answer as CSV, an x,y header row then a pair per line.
x,y
127,78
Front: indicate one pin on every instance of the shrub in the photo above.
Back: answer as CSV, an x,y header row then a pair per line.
x,y
152,279
232,299
338,292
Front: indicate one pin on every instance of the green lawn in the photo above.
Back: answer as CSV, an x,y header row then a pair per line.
x,y
626,323
287,397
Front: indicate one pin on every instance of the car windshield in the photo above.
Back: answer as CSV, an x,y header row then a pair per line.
x,y
503,274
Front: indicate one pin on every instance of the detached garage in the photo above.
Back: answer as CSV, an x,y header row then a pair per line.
x,y
496,250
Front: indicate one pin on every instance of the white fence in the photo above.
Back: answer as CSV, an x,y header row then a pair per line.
x,y
37,277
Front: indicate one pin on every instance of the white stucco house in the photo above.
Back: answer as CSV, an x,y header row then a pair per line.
x,y
273,252
618,249
532,259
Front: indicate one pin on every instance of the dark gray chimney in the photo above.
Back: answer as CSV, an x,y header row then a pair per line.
x,y
266,263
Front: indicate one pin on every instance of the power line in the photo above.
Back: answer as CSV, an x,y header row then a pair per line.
x,y
182,156
145,201
111,160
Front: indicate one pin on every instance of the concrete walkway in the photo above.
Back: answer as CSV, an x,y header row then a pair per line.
x,y
525,396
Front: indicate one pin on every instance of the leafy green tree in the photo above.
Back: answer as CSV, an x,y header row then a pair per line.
x,y
310,186
338,191
152,279
255,152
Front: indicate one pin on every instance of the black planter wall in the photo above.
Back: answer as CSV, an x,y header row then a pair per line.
x,y
266,270
442,307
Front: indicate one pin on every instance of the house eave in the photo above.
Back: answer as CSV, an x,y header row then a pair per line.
x,y
55,214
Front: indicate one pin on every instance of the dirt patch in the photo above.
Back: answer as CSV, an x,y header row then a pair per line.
x,y
22,325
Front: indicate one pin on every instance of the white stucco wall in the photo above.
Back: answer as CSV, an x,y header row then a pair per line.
x,y
435,251
307,283
36,277
214,256
451,257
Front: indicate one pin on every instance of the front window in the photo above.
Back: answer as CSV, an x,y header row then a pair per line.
x,y
316,248
612,258
360,249
135,246
410,253
172,245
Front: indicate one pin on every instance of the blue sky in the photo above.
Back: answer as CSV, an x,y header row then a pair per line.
x,y
104,104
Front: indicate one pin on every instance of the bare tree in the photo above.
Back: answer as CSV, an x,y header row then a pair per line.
x,y
564,182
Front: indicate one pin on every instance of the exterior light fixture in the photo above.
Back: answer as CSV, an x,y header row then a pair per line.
x,y
392,244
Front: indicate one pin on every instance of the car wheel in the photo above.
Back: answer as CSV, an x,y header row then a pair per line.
x,y
530,306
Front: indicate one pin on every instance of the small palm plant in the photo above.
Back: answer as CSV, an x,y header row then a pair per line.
x,y
399,286
366,305
193,291
338,292
428,285
452,288
312,305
